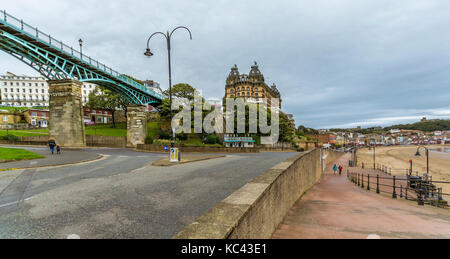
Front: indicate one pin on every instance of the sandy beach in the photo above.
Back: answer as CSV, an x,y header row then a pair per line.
x,y
397,158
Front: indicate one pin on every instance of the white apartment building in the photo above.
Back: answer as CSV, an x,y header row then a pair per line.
x,y
30,91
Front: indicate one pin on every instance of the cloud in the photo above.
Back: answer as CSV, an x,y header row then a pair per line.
x,y
335,62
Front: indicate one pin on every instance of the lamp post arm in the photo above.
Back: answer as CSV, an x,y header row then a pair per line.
x,y
151,36
181,27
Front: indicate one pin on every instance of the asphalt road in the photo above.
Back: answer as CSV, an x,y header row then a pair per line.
x,y
120,195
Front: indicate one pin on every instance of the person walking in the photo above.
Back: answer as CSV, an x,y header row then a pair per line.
x,y
340,169
335,169
52,144
58,150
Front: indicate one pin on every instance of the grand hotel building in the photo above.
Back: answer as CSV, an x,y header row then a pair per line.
x,y
251,87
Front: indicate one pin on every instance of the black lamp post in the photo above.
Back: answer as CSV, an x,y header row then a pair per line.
x,y
80,41
427,154
374,145
148,53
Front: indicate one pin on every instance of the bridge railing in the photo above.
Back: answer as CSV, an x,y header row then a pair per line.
x,y
35,33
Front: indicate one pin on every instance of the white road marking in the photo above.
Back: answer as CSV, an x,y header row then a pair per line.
x,y
373,236
8,204
73,236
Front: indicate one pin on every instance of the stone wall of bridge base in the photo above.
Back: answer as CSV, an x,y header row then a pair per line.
x,y
66,113
136,125
256,210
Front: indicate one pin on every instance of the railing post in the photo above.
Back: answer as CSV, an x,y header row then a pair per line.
x,y
394,193
419,195
378,184
401,191
439,197
21,24
359,184
406,193
362,180
368,182
4,14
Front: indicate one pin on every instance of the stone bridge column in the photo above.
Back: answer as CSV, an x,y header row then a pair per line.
x,y
66,113
136,125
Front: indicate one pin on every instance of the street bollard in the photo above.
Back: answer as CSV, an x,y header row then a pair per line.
x,y
368,182
378,184
394,193
358,180
362,165
362,181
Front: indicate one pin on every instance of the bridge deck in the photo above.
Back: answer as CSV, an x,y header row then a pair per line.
x,y
64,55
336,208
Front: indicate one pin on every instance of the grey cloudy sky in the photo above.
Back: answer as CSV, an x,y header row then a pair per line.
x,y
337,63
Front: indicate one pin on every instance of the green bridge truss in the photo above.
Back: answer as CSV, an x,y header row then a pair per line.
x,y
55,61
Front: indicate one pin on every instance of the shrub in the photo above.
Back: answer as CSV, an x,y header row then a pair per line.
x,y
164,135
11,138
149,140
182,136
212,139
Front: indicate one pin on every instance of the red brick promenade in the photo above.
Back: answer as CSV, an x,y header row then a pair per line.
x,y
337,208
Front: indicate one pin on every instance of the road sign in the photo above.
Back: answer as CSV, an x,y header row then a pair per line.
x,y
174,155
166,148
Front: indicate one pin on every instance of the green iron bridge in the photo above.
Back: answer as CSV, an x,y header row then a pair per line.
x,y
56,61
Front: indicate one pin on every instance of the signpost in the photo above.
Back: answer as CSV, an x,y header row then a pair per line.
x,y
175,155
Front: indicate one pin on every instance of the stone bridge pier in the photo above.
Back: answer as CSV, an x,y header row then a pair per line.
x,y
136,125
66,113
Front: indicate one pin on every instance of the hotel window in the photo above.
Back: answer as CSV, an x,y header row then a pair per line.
x,y
6,83
42,91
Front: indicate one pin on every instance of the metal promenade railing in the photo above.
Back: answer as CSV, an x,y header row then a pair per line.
x,y
36,34
409,187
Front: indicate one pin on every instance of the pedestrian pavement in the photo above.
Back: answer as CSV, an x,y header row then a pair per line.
x,y
67,156
335,208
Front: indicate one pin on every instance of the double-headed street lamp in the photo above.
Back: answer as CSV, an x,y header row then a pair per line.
x,y
148,53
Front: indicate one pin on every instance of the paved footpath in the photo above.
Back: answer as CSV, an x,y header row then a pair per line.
x,y
67,156
336,208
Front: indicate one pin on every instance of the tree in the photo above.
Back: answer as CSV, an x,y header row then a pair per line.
x,y
182,91
102,98
287,129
